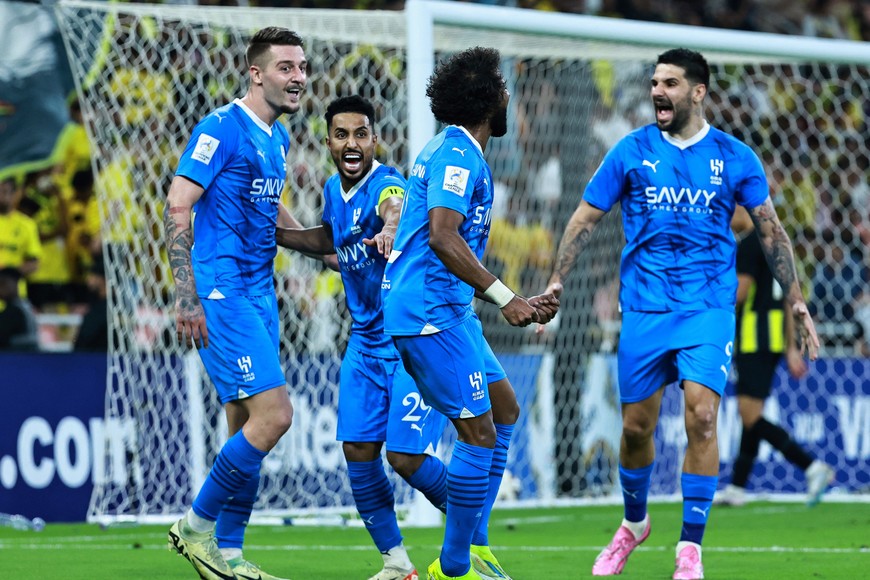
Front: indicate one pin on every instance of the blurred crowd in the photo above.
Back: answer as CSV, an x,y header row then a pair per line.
x,y
846,19
53,249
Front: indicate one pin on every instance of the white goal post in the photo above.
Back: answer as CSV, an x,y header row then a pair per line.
x,y
146,73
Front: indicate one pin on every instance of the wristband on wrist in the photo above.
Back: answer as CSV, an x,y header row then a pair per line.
x,y
499,293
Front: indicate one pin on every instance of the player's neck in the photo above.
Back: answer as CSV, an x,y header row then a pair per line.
x,y
692,128
481,133
261,108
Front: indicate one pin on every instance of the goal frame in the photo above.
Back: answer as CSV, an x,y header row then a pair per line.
x,y
427,24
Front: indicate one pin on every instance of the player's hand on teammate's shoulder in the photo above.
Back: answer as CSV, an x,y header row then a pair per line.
x,y
547,306
383,240
190,322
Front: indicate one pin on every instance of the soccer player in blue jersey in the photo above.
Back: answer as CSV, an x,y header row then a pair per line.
x,y
231,176
678,181
378,401
433,273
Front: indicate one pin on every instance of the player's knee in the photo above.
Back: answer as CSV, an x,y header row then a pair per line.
x,y
361,451
403,464
508,413
282,419
701,422
478,432
637,432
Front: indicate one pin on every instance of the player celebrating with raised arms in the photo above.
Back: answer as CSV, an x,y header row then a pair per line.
x,y
378,401
678,181
433,273
232,174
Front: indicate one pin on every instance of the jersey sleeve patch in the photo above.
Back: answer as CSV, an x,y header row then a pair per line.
x,y
455,180
206,146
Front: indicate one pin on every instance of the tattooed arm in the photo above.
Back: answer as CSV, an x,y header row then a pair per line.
x,y
780,258
189,316
575,238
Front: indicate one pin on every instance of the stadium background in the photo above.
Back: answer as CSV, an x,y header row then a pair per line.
x,y
61,440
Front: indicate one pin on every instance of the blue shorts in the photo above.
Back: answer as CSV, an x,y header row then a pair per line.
x,y
378,401
242,354
452,368
659,348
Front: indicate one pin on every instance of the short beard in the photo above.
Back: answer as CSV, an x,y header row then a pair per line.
x,y
498,123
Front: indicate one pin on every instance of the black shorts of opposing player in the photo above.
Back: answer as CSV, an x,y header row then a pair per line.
x,y
755,373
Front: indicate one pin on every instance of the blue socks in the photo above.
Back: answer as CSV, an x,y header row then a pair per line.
x,y
496,472
467,490
233,519
373,495
235,465
635,489
698,491
430,479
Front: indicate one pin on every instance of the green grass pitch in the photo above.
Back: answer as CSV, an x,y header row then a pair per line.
x,y
759,541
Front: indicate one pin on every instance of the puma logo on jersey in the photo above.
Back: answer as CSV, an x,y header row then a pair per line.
x,y
651,165
261,154
461,151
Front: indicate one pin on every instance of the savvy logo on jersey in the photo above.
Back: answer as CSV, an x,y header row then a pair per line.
x,y
681,199
354,256
266,190
481,220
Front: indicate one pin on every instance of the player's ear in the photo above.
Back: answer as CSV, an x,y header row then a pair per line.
x,y
256,75
699,92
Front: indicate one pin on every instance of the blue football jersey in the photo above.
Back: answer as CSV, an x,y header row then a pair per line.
x,y
353,216
677,201
421,296
240,162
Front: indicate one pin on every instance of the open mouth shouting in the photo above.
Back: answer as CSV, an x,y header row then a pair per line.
x,y
664,112
352,162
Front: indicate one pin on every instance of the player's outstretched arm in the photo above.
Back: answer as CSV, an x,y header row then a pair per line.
x,y
577,233
390,210
453,251
286,220
780,258
189,316
314,240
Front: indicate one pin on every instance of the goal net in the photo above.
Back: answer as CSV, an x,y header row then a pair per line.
x,y
146,74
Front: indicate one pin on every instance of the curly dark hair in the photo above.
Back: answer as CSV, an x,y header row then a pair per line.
x,y
467,88
351,104
695,65
267,37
